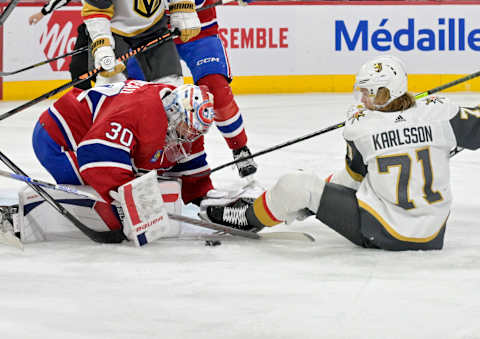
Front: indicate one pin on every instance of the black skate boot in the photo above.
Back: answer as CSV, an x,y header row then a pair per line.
x,y
233,215
246,167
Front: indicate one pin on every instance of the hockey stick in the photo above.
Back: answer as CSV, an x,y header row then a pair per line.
x,y
84,49
20,176
116,236
8,10
160,40
342,124
74,52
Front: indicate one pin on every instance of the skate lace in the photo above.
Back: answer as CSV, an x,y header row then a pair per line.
x,y
235,215
243,154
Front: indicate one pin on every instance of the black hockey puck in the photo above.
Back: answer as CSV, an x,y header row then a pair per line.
x,y
212,242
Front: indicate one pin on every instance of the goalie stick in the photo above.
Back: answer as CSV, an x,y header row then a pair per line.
x,y
160,40
116,236
8,10
37,184
342,124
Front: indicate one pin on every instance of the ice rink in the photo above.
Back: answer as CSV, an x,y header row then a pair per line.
x,y
246,289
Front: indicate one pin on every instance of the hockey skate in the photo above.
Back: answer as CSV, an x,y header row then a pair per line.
x,y
246,167
7,234
232,215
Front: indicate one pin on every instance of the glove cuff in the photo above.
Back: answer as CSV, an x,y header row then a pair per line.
x,y
100,42
182,6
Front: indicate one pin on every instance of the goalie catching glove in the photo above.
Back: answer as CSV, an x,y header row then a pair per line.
x,y
184,17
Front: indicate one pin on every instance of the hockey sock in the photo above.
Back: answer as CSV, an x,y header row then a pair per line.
x,y
228,118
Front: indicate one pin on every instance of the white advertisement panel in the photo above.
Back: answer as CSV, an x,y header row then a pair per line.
x,y
434,39
286,39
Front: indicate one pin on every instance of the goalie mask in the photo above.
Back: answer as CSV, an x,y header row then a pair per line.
x,y
190,114
384,71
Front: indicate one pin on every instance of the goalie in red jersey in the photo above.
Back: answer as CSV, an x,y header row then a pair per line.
x,y
106,136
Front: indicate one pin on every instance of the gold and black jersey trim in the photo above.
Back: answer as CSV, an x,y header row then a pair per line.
x,y
390,229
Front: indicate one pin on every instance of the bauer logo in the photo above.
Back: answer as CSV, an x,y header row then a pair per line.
x,y
442,34
59,37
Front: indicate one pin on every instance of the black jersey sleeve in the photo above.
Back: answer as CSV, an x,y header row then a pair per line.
x,y
354,162
466,127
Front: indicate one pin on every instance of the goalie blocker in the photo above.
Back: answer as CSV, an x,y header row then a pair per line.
x,y
140,208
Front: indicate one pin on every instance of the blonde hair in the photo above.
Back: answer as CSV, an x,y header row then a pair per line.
x,y
401,103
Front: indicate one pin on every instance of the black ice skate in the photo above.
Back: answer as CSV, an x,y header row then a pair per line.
x,y
246,167
232,215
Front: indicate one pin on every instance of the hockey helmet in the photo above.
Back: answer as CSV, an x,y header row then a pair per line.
x,y
190,114
384,71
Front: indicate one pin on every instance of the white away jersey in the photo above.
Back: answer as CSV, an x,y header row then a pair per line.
x,y
402,159
128,17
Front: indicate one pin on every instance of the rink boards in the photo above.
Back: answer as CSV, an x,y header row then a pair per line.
x,y
287,47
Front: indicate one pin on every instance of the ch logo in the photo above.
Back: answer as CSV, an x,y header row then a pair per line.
x,y
146,8
378,67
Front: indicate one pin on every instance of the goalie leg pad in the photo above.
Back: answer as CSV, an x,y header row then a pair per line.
x,y
146,217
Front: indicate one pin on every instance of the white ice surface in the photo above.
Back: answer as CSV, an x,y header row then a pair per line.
x,y
244,288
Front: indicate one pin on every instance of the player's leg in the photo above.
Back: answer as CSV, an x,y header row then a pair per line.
x,y
378,236
159,64
208,62
58,160
79,62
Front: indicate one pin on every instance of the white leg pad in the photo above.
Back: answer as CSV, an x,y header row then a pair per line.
x,y
146,216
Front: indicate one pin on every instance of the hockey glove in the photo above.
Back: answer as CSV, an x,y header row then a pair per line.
x,y
184,17
102,51
244,2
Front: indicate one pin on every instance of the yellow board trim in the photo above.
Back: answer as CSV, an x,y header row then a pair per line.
x,y
24,90
391,231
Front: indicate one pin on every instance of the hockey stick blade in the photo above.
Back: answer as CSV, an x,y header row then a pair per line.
x,y
213,226
291,236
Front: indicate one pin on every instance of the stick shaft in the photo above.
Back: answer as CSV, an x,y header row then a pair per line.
x,y
41,63
162,39
115,236
8,10
342,124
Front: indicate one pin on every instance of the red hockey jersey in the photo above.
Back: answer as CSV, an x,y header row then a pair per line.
x,y
118,130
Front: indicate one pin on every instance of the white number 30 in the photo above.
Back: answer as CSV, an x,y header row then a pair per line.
x,y
126,136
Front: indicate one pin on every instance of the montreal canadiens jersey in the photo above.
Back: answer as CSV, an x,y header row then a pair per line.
x,y
402,161
128,17
119,130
